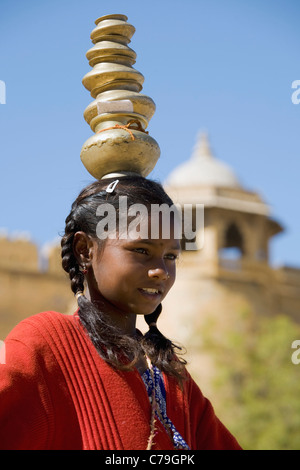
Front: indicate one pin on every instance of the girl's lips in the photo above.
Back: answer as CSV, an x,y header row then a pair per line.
x,y
150,293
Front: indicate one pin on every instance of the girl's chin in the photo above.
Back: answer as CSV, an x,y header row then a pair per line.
x,y
146,307
145,313
145,310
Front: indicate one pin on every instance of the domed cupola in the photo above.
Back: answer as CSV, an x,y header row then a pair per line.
x,y
203,169
233,219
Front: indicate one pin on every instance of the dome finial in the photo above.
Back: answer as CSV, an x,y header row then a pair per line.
x,y
202,148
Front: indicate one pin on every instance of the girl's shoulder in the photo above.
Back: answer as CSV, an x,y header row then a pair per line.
x,y
47,327
42,320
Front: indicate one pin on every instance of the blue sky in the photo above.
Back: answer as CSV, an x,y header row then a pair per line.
x,y
226,67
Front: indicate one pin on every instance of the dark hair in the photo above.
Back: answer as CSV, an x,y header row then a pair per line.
x,y
119,350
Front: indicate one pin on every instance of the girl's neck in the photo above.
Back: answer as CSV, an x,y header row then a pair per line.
x,y
125,322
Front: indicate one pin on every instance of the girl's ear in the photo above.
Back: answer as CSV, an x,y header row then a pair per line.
x,y
83,248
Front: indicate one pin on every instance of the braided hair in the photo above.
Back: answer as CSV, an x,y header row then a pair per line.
x,y
119,350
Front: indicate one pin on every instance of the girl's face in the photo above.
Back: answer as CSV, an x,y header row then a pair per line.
x,y
133,276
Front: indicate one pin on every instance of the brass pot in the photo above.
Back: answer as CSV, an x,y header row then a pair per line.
x,y
119,114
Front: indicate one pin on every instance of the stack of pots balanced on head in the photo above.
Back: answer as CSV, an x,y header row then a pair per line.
x,y
119,114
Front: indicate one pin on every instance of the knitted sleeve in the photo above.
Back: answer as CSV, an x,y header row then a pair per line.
x,y
25,405
207,431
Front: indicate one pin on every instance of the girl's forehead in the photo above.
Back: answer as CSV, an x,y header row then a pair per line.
x,y
140,224
161,226
163,243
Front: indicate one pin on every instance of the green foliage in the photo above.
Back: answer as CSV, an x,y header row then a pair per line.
x,y
256,380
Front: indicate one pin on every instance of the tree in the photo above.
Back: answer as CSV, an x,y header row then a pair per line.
x,y
257,383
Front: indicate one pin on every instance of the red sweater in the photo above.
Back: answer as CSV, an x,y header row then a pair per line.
x,y
57,393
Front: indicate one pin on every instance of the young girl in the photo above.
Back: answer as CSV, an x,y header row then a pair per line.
x,y
91,380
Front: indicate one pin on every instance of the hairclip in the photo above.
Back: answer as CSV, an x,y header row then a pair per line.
x,y
110,188
78,294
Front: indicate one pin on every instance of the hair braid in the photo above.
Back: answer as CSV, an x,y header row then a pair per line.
x,y
69,261
160,349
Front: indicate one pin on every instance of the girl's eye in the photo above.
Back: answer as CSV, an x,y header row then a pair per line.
x,y
143,251
172,257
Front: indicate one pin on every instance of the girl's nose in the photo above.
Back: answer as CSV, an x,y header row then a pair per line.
x,y
158,273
